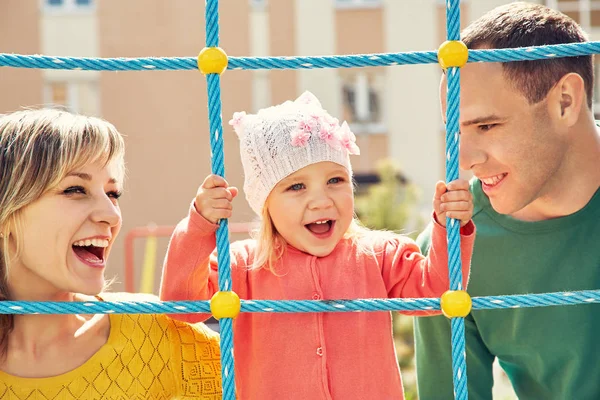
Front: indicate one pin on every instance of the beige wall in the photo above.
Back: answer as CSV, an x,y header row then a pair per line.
x,y
282,22
164,114
359,30
19,33
373,147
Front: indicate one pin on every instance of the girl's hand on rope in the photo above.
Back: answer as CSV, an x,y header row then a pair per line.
x,y
214,197
453,200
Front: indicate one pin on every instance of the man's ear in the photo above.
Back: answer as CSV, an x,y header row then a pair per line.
x,y
567,98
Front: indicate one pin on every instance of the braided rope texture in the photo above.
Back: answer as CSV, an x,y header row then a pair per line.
x,y
213,87
459,362
303,306
254,63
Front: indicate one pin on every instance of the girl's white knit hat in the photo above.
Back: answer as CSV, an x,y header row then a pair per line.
x,y
280,140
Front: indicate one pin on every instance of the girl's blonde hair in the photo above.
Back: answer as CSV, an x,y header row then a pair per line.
x,y
38,148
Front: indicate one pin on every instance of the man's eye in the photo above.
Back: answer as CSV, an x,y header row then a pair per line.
x,y
486,127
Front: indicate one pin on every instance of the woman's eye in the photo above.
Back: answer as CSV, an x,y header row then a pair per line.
x,y
114,194
74,190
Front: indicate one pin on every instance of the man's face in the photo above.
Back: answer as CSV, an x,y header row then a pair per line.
x,y
512,146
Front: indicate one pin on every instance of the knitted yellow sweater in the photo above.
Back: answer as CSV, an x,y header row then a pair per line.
x,y
146,357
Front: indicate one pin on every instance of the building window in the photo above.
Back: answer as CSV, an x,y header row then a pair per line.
x,y
361,95
358,3
78,96
68,6
258,4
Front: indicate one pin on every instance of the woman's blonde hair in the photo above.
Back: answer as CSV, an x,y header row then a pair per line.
x,y
38,148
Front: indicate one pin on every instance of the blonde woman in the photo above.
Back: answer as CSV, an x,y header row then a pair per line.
x,y
61,176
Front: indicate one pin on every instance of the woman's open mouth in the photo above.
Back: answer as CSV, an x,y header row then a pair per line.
x,y
91,251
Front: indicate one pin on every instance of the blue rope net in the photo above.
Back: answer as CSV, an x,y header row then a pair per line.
x,y
254,63
218,168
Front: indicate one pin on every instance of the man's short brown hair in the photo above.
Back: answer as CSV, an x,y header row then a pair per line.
x,y
524,24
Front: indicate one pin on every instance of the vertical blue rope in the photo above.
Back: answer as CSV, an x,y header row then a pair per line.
x,y
218,168
459,365
212,23
452,130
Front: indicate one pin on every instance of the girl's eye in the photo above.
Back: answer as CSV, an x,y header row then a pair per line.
x,y
114,194
296,187
74,190
335,180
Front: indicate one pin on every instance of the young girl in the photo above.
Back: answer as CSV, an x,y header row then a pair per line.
x,y
298,178
60,179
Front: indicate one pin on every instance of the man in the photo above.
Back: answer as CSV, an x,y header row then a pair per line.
x,y
529,137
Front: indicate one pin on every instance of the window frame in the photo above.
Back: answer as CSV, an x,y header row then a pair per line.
x,y
353,4
68,7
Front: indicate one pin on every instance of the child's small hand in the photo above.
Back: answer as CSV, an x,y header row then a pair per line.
x,y
214,197
454,201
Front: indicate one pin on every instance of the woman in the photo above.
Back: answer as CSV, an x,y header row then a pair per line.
x,y
60,179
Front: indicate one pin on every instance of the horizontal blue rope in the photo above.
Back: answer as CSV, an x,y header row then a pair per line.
x,y
183,307
103,307
292,306
253,63
536,300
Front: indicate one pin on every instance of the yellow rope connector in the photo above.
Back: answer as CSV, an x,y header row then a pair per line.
x,y
456,303
225,305
453,53
212,60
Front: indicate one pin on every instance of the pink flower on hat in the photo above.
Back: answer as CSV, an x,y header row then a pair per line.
x,y
237,119
348,139
332,124
300,137
314,120
305,126
328,134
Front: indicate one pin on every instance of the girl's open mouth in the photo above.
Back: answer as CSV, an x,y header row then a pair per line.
x,y
321,229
